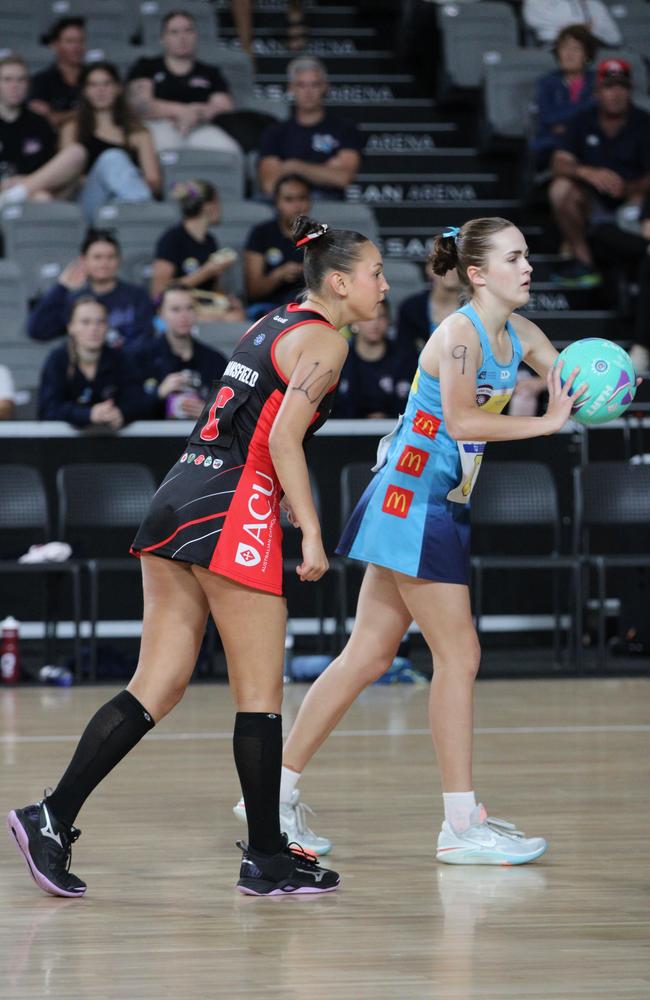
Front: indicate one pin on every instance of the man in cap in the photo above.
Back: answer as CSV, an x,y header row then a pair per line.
x,y
604,161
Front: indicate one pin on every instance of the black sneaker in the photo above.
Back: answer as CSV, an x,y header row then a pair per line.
x,y
291,870
46,845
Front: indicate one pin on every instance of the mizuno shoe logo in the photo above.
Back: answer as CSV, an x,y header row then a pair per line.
x,y
317,876
47,830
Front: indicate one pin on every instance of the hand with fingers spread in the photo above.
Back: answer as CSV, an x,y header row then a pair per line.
x,y
314,561
561,398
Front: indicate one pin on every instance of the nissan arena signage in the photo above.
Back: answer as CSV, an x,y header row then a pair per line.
x,y
408,193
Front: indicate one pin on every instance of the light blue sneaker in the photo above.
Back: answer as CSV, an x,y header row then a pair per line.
x,y
488,841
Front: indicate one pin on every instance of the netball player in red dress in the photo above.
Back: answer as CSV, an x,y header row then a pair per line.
x,y
211,544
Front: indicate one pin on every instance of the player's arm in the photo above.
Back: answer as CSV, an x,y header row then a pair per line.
x,y
464,419
315,363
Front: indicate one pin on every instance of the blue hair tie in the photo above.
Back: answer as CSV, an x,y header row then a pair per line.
x,y
452,232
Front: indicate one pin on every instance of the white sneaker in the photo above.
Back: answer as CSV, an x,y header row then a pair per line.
x,y
488,841
293,822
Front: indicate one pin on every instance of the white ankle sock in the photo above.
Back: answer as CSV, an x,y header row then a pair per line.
x,y
458,809
288,782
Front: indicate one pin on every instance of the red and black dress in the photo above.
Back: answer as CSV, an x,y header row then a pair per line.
x,y
219,505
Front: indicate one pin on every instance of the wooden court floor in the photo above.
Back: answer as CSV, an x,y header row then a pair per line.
x,y
565,759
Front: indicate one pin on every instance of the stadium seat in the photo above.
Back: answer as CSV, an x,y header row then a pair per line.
x,y
41,237
137,227
237,68
95,499
13,302
238,217
405,278
633,20
344,215
223,336
518,497
108,22
471,33
611,517
223,169
510,88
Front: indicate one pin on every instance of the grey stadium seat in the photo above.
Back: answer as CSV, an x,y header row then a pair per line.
x,y
469,31
344,215
510,87
223,336
137,228
41,237
13,302
405,278
238,218
633,21
237,68
226,170
108,22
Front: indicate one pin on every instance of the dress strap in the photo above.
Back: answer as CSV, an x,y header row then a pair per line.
x,y
475,319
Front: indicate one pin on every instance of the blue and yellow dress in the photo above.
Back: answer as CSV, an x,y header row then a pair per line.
x,y
414,515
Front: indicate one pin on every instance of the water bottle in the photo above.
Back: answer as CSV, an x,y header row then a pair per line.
x,y
59,676
9,651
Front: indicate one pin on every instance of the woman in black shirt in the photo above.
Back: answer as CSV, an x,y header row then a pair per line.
x,y
84,381
105,141
188,253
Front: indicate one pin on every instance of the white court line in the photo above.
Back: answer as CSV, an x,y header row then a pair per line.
x,y
485,731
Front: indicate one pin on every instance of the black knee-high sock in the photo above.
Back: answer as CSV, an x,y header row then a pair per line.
x,y
257,745
111,733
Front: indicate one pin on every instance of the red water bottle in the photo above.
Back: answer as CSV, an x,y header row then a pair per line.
x,y
9,651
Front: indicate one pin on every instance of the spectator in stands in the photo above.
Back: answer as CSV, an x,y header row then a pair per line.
x,y
86,382
547,18
56,91
95,273
318,145
565,91
189,253
421,313
7,394
628,252
603,162
272,264
105,141
176,370
376,378
27,140
178,96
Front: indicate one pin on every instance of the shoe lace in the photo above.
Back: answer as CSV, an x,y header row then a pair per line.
x,y
504,828
300,810
305,857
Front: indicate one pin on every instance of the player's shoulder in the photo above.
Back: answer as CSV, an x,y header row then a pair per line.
x,y
526,330
457,327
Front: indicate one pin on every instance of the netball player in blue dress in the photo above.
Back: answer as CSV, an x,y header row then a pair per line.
x,y
412,527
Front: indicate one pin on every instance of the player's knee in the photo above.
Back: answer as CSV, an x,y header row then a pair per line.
x,y
372,667
560,191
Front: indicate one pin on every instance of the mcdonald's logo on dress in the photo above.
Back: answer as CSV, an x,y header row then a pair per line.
x,y
397,501
426,424
412,461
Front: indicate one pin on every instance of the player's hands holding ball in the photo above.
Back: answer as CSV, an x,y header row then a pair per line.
x,y
561,398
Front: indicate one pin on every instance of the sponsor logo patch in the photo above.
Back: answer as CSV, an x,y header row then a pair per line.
x,y
246,555
397,501
199,460
426,424
412,461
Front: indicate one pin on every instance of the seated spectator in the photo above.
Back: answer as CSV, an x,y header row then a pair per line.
x,y
7,394
272,264
85,382
27,140
189,253
95,272
376,377
421,313
178,96
176,370
547,18
565,91
56,91
314,142
623,248
105,141
603,161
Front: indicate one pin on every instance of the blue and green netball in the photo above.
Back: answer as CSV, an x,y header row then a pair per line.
x,y
610,376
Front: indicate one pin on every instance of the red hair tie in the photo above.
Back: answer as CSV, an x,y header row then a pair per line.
x,y
312,236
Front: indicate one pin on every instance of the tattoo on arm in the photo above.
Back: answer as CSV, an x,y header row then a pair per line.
x,y
316,383
460,353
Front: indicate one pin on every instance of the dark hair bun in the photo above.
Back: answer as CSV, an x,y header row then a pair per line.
x,y
303,225
444,256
